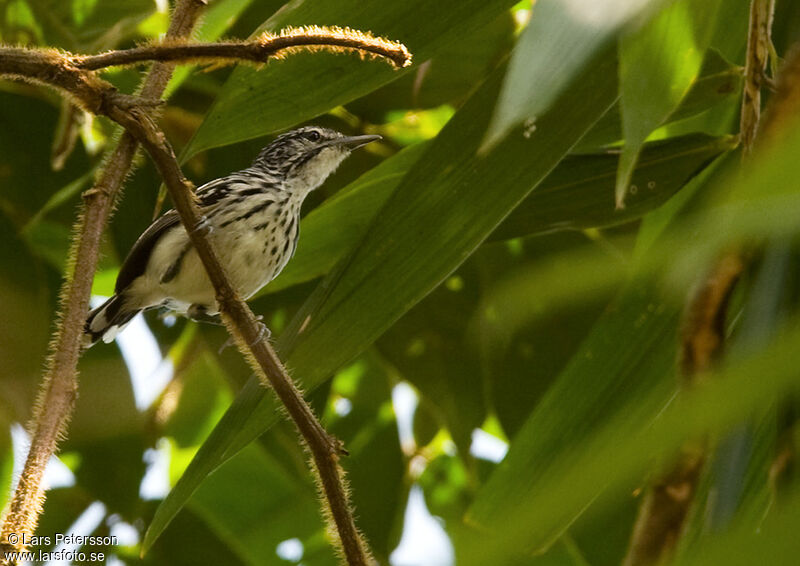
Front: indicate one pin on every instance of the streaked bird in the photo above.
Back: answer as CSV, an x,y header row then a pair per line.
x,y
253,218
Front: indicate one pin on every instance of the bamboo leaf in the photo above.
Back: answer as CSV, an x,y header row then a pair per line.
x,y
258,102
568,31
633,348
719,82
578,193
658,65
619,452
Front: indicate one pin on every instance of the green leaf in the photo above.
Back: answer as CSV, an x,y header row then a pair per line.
x,y
111,470
203,396
258,102
615,455
26,182
90,27
216,20
428,347
567,31
103,369
443,209
534,317
631,361
575,404
775,540
188,541
719,82
578,193
253,505
61,197
446,78
658,64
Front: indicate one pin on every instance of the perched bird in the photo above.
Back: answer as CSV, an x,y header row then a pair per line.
x,y
252,216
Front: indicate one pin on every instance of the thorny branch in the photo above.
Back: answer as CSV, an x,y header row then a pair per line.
x,y
59,383
97,96
256,51
244,326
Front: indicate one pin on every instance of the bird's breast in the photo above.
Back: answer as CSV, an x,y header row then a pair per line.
x,y
256,241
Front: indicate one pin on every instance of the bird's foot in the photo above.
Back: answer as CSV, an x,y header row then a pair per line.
x,y
199,313
263,332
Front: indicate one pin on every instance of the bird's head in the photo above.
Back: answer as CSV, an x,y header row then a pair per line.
x,y
304,158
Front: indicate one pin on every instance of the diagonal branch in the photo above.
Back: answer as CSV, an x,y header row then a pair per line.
x,y
244,326
59,383
73,75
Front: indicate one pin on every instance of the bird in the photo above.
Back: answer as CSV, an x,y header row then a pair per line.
x,y
252,217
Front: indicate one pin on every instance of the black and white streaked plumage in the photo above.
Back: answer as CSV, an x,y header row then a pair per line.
x,y
253,218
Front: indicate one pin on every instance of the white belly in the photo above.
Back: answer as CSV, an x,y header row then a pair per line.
x,y
251,256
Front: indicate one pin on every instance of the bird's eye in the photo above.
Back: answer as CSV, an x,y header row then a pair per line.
x,y
314,136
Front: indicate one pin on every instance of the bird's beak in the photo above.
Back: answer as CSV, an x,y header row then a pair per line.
x,y
354,142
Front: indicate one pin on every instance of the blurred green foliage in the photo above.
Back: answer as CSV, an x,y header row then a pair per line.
x,y
475,254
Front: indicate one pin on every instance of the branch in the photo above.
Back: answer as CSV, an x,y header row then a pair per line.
x,y
244,326
669,497
258,50
73,75
759,43
49,67
59,383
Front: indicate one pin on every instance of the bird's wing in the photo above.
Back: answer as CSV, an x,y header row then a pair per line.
x,y
136,262
214,191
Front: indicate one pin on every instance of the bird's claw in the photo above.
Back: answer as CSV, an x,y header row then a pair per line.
x,y
263,332
225,345
199,313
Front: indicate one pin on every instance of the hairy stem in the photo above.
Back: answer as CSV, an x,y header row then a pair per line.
x,y
74,76
256,51
59,383
243,325
759,42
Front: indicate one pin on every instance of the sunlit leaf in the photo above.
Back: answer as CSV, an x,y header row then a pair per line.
x,y
568,31
658,64
719,83
258,102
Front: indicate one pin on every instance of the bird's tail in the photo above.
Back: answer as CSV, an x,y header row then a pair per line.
x,y
107,320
